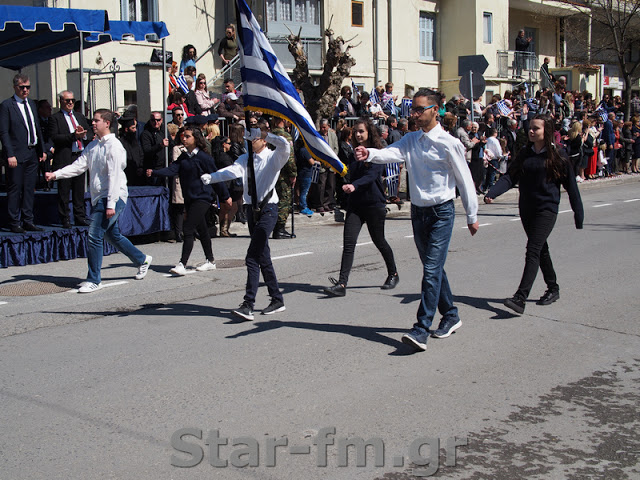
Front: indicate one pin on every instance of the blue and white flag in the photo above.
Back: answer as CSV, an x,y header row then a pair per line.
x,y
390,106
604,115
392,178
266,87
533,107
356,92
315,173
373,97
503,108
182,83
405,107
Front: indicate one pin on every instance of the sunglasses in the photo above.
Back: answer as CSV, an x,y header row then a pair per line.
x,y
156,119
24,87
420,110
69,100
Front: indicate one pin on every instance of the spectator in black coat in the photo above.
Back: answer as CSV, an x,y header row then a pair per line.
x,y
153,144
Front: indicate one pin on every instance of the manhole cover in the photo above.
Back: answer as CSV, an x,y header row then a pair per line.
x,y
229,263
29,289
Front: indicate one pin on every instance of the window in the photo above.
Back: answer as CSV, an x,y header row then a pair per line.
x,y
427,31
296,11
357,14
139,10
487,27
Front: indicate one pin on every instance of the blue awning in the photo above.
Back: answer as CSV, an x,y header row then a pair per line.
x,y
30,35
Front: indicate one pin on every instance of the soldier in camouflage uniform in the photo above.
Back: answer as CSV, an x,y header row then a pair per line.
x,y
286,182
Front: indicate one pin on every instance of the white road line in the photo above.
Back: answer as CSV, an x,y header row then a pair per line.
x,y
292,255
361,244
515,219
566,211
3,303
632,200
408,236
108,284
481,225
189,272
603,205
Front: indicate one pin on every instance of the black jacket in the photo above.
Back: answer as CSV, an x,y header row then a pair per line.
x,y
369,192
63,140
152,147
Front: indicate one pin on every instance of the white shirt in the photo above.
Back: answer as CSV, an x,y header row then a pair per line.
x,y
67,116
436,165
493,145
267,164
106,159
24,118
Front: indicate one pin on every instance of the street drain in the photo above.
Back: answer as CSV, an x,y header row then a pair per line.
x,y
30,289
229,263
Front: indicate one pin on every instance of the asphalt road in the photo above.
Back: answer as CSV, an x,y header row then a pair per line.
x,y
95,386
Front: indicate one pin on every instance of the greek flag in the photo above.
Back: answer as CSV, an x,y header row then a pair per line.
x,y
602,113
356,92
531,104
182,84
392,178
390,105
503,108
266,87
405,107
373,97
315,173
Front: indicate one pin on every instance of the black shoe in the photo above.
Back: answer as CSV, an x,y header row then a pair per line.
x,y
281,234
66,224
549,297
18,230
30,227
391,282
275,306
516,303
337,290
245,311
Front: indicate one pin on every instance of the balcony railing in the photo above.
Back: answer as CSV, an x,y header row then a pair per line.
x,y
518,65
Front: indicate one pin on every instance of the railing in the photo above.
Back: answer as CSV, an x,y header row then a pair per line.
x,y
518,65
232,70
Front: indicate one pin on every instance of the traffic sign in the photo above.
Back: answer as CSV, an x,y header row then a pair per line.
x,y
479,85
474,63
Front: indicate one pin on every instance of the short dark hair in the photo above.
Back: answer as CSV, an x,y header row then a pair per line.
x,y
106,115
20,78
433,96
175,109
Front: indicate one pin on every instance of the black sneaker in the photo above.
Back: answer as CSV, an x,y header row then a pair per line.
x,y
416,338
274,307
391,282
447,327
245,311
549,297
516,303
338,290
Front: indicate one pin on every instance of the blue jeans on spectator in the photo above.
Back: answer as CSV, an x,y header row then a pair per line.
x,y
107,228
304,180
490,178
432,229
259,255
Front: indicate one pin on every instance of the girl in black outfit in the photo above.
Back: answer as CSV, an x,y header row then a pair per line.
x,y
221,147
197,196
539,170
366,204
236,135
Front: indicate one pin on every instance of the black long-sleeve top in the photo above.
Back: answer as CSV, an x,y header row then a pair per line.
x,y
537,194
367,179
189,168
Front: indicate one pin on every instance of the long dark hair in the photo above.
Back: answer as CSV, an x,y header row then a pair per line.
x,y
374,136
185,52
554,163
201,142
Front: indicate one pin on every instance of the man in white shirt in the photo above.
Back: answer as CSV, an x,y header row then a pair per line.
x,y
105,158
436,165
267,166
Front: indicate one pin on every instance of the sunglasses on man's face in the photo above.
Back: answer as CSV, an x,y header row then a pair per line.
x,y
24,87
421,110
69,100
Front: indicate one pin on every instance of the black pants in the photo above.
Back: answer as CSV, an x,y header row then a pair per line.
x,y
327,189
74,185
258,257
196,220
21,183
538,227
374,218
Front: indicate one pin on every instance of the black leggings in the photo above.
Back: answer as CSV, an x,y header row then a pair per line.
x,y
196,221
538,227
374,218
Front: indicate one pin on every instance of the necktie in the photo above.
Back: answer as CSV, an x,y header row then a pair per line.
x,y
75,125
32,136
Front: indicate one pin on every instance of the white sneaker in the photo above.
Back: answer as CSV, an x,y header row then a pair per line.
x,y
206,266
179,269
144,268
89,287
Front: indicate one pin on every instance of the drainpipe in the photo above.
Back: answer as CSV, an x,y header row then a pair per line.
x,y
390,41
375,43
589,39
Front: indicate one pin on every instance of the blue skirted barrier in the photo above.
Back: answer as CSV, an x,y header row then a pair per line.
x,y
146,213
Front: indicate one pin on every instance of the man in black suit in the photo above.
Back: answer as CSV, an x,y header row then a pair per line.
x,y
44,114
22,145
68,132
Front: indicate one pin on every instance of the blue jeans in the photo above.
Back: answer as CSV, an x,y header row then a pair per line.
x,y
432,229
304,180
258,257
107,228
